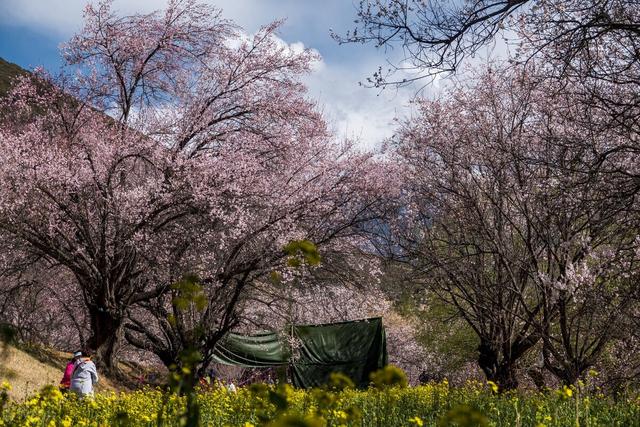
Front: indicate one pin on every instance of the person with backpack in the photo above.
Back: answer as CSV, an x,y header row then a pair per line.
x,y
84,377
65,383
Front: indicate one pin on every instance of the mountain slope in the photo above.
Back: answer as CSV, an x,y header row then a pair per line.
x,y
8,72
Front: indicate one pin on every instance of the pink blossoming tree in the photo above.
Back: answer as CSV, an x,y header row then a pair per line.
x,y
510,221
174,144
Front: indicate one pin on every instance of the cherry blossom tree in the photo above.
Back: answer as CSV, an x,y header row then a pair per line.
x,y
465,245
89,201
174,144
584,54
506,222
596,37
596,216
323,199
34,302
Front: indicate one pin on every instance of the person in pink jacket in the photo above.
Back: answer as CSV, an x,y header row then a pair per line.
x,y
65,383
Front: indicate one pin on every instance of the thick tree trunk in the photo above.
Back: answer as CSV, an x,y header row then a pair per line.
x,y
105,339
504,375
502,372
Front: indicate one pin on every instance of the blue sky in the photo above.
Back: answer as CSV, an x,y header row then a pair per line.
x,y
32,30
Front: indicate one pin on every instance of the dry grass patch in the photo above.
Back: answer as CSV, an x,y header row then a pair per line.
x,y
27,373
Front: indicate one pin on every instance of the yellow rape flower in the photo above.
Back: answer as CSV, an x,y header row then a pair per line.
x,y
417,421
567,391
32,420
341,416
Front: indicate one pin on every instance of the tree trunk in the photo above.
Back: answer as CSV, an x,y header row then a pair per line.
x,y
505,377
502,373
105,339
568,372
567,375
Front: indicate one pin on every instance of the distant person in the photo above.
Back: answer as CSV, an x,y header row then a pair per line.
x,y
84,377
65,383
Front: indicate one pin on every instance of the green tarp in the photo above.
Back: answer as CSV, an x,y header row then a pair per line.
x,y
312,352
253,351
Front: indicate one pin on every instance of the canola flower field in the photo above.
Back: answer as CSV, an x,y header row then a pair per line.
x,y
386,403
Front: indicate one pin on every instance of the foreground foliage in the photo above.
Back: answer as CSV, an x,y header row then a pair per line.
x,y
435,404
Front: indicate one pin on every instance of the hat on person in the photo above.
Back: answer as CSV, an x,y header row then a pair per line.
x,y
77,354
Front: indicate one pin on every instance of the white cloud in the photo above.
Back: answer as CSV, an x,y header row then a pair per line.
x,y
354,111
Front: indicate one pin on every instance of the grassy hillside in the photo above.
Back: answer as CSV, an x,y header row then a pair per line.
x,y
27,372
8,71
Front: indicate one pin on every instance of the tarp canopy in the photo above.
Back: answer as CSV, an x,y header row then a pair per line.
x,y
262,350
355,348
